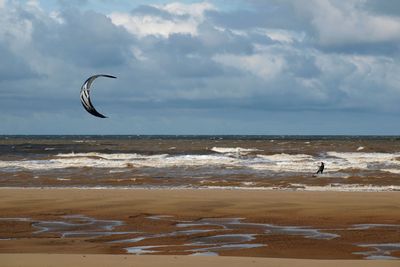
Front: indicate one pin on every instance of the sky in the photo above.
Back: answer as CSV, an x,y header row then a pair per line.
x,y
304,67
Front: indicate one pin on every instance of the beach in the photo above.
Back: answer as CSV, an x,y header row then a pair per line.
x,y
345,220
199,200
64,260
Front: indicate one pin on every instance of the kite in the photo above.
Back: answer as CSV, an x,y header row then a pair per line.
x,y
85,95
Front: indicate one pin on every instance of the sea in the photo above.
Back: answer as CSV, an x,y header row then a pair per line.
x,y
236,162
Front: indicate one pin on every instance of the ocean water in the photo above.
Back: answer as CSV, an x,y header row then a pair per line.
x,y
352,163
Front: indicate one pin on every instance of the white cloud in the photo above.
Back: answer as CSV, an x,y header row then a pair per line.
x,y
195,10
33,3
138,53
55,15
344,22
185,18
283,36
279,35
153,25
263,64
15,30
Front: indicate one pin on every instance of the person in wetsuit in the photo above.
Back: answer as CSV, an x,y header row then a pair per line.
x,y
321,168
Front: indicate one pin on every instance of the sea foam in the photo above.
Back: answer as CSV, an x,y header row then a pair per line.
x,y
335,162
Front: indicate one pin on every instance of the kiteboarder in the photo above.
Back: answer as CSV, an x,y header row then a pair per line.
x,y
321,168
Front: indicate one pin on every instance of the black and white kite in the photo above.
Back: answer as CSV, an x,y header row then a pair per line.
x,y
85,95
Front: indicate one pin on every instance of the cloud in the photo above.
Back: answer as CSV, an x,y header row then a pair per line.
x,y
17,68
178,64
163,20
87,39
344,22
387,7
264,65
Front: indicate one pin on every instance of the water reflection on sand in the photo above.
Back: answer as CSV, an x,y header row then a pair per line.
x,y
201,237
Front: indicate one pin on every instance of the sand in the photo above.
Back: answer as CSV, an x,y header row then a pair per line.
x,y
68,260
322,210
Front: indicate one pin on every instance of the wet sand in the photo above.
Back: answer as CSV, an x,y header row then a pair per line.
x,y
335,213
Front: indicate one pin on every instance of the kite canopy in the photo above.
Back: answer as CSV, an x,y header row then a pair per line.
x,y
85,95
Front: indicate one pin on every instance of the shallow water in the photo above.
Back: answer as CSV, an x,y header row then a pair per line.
x,y
74,226
213,243
222,240
379,251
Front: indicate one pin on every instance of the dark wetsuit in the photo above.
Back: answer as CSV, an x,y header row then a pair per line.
x,y
321,168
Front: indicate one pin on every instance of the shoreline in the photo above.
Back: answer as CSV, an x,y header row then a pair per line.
x,y
349,188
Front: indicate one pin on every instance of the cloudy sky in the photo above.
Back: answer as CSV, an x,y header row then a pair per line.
x,y
192,67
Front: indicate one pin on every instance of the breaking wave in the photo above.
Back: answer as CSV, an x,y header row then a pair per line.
x,y
224,158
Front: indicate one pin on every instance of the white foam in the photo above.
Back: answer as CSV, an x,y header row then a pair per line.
x,y
361,160
285,163
397,171
109,156
301,187
248,183
346,188
115,161
234,150
337,164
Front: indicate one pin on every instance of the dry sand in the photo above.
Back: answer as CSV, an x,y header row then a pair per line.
x,y
95,260
322,210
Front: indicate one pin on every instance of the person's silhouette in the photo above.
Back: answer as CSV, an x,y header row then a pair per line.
x,y
321,168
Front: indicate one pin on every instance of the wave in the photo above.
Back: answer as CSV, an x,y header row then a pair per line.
x,y
234,150
102,160
337,163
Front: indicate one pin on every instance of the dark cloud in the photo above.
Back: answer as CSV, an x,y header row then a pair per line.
x,y
213,71
89,39
72,3
269,14
385,48
386,7
14,67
